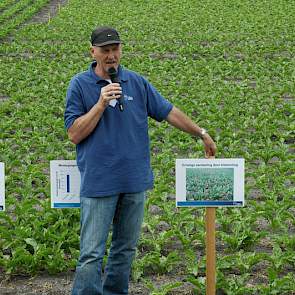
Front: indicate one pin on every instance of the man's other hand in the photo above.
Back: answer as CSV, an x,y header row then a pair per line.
x,y
210,146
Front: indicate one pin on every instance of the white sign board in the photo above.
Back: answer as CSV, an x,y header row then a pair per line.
x,y
2,187
65,184
209,182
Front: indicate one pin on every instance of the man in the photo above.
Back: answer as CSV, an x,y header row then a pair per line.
x,y
114,160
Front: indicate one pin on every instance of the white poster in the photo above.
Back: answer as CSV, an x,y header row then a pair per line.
x,y
209,182
65,184
2,187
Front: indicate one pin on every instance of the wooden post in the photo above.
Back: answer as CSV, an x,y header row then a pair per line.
x,y
210,251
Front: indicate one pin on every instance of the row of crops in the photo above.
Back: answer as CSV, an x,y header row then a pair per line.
x,y
230,66
13,13
217,184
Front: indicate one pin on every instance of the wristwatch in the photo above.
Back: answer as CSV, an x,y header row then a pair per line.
x,y
203,132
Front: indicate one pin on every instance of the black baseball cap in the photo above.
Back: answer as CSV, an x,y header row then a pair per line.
x,y
102,36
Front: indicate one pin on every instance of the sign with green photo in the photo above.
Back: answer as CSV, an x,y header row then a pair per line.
x,y
209,182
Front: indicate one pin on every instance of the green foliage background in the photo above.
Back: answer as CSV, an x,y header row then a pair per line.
x,y
229,65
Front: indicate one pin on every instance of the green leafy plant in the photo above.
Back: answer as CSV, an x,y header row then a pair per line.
x,y
162,290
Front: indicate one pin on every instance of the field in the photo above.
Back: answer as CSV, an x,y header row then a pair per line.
x,y
210,184
229,65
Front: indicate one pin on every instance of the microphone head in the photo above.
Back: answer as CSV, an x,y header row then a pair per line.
x,y
113,74
112,70
114,78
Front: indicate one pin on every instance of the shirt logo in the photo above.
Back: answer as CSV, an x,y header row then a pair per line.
x,y
127,97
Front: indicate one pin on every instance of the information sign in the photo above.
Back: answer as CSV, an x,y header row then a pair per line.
x,y
65,184
209,182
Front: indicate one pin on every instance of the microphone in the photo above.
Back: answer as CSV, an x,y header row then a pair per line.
x,y
114,78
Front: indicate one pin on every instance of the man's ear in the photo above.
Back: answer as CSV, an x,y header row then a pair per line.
x,y
91,50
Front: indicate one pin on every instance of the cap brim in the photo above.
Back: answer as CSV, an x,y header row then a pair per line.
x,y
107,43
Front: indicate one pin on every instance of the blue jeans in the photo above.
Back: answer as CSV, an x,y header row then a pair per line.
x,y
125,213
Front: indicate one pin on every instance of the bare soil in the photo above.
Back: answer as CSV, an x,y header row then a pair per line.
x,y
47,12
50,285
61,284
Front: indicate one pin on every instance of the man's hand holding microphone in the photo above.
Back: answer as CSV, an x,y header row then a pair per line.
x,y
108,93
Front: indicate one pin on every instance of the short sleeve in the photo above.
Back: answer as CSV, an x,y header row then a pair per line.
x,y
158,107
74,103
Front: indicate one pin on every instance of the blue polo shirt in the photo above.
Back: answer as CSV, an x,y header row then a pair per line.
x,y
115,157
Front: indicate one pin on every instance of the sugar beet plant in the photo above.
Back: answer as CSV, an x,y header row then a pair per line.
x,y
229,65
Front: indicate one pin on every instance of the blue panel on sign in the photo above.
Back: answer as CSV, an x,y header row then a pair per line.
x,y
66,205
209,203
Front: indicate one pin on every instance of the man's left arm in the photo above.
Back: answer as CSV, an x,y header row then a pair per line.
x,y
181,121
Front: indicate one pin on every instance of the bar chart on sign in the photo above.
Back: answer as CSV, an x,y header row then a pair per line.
x,y
65,184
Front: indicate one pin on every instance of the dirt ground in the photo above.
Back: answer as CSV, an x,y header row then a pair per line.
x,y
61,285
47,12
50,285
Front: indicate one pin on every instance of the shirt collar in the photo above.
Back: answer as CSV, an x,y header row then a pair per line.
x,y
121,73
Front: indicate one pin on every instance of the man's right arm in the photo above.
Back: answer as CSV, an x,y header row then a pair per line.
x,y
85,124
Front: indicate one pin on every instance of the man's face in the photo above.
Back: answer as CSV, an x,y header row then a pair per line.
x,y
107,57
